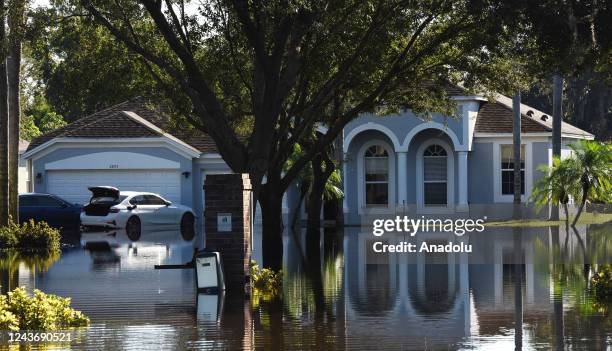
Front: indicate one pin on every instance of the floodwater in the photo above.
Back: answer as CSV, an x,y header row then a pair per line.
x,y
335,298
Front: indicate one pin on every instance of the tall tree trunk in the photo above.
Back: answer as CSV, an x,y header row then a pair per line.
x,y
556,132
585,192
4,142
516,149
566,210
322,168
15,23
297,212
339,150
271,201
315,197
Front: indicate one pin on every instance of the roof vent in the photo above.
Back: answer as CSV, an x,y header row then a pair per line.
x,y
530,113
544,118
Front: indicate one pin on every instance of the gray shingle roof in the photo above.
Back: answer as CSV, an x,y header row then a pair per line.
x,y
113,123
496,117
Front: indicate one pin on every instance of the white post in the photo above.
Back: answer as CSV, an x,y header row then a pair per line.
x,y
402,174
462,205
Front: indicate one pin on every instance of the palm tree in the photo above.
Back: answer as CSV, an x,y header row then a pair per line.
x,y
557,186
4,136
593,170
16,17
586,175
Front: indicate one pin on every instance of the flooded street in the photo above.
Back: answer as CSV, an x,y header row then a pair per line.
x,y
337,298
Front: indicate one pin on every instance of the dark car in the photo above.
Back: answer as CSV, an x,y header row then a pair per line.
x,y
52,209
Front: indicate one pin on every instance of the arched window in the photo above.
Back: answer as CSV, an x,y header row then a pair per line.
x,y
376,176
435,176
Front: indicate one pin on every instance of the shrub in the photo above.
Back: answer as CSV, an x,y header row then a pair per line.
x,y
8,236
20,311
8,320
602,282
265,283
29,236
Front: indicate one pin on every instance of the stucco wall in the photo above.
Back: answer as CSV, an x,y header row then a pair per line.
x,y
540,152
355,151
160,152
480,173
401,124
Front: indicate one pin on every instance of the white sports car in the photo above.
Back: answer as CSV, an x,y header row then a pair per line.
x,y
111,208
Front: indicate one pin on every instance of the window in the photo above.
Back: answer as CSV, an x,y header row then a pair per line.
x,y
507,170
154,200
48,201
435,176
28,201
376,176
138,200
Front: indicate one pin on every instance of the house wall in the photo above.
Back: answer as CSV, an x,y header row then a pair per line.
x,y
354,182
23,177
186,165
406,133
480,173
351,186
540,154
402,124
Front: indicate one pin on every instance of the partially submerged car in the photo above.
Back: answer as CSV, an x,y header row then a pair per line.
x,y
49,208
130,210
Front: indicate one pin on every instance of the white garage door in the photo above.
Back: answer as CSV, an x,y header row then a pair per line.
x,y
72,184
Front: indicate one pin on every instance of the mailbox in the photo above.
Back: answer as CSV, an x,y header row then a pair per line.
x,y
209,272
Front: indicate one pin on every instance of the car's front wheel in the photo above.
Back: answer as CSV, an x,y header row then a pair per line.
x,y
188,226
133,228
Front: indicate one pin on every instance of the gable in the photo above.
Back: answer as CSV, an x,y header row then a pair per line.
x,y
113,122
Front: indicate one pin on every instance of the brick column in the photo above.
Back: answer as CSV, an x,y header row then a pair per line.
x,y
229,194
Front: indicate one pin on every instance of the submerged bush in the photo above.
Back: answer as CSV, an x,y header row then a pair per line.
x,y
29,236
602,282
41,312
265,283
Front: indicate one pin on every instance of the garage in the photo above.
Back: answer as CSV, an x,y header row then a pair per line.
x,y
72,184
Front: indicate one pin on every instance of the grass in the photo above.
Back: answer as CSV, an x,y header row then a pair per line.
x,y
586,218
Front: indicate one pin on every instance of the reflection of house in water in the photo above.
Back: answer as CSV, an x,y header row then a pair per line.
x,y
439,300
427,302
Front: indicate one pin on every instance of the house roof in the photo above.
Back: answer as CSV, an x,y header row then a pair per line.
x,y
129,119
496,117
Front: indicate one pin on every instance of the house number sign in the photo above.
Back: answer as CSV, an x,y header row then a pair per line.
x,y
224,222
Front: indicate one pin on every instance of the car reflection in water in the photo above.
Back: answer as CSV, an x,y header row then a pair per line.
x,y
110,247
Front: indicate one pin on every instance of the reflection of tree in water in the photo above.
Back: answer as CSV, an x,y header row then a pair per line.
x,y
10,260
312,287
586,322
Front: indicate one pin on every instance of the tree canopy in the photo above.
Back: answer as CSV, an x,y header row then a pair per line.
x,y
281,67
